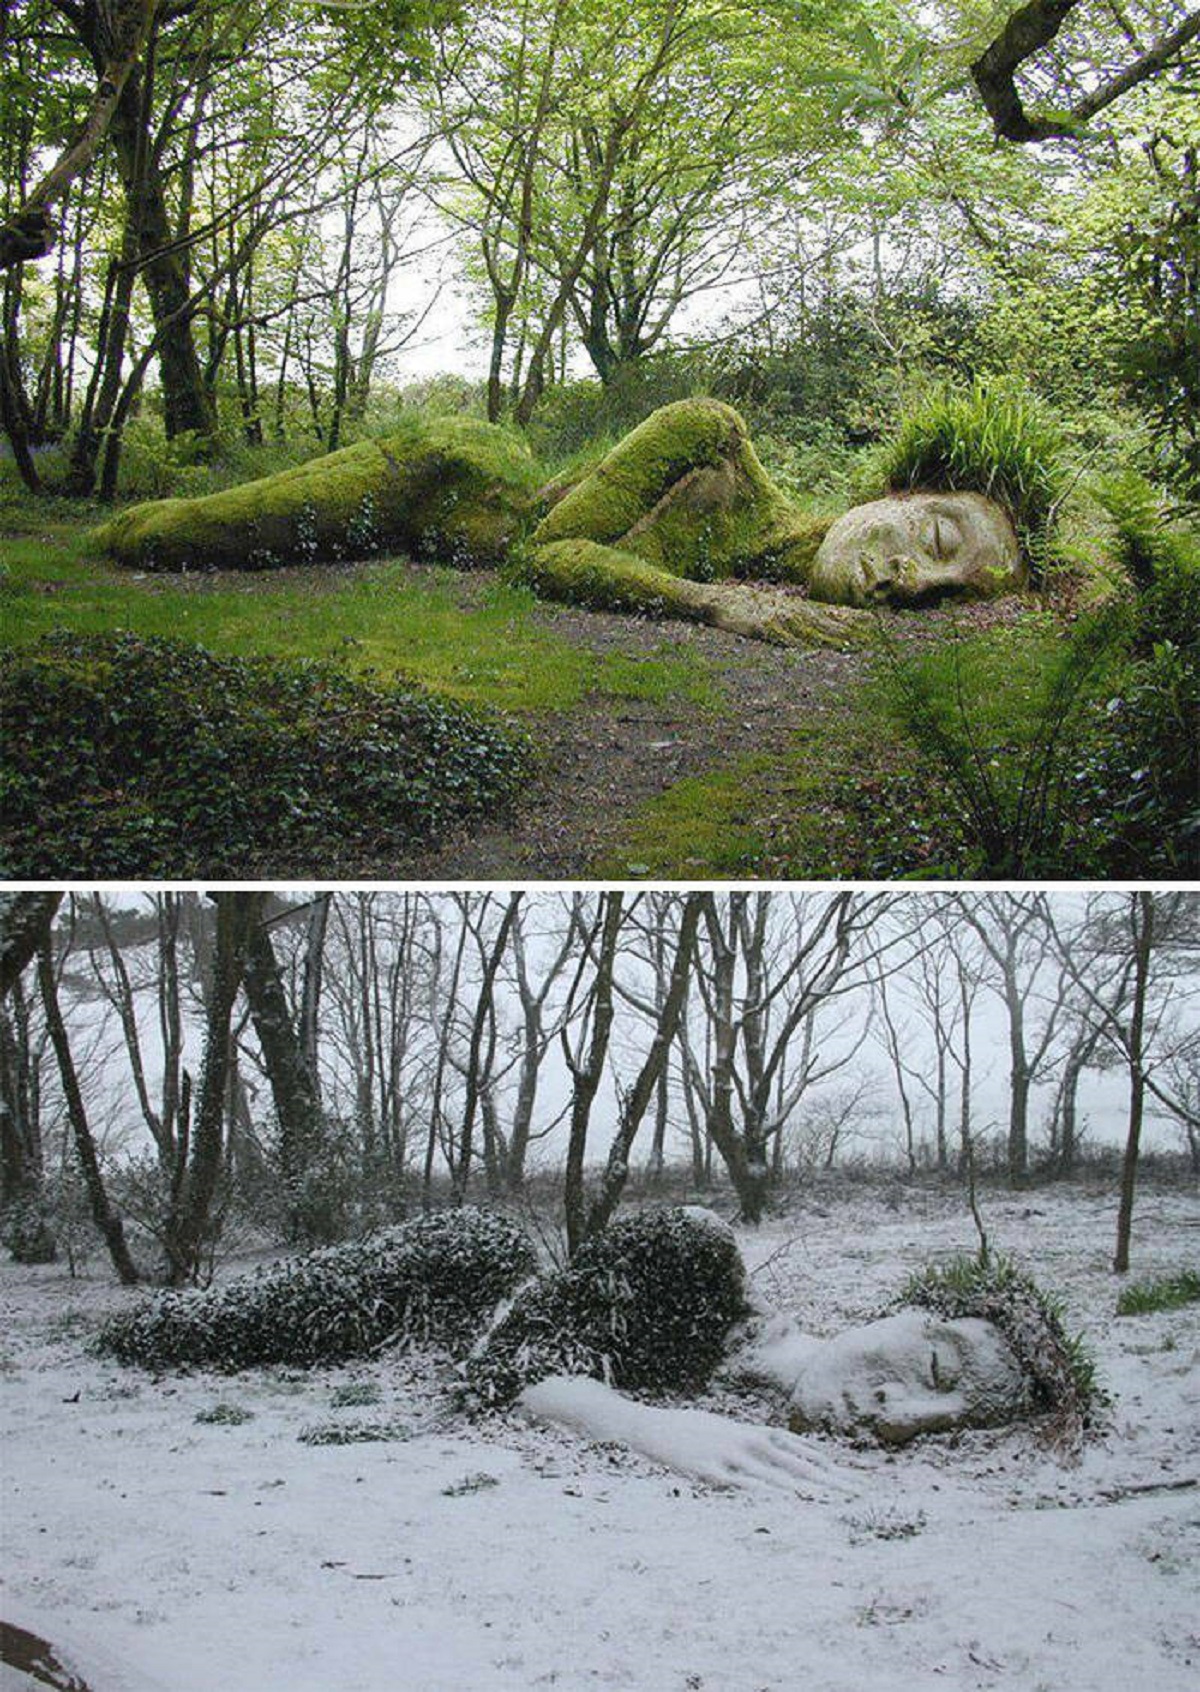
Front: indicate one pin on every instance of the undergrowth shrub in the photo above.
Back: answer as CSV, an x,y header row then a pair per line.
x,y
435,1279
1142,776
992,438
1172,1292
1057,1366
354,1433
1001,721
139,758
646,1305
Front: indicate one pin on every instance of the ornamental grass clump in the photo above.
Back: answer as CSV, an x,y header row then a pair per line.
x,y
992,438
1148,1298
436,1279
1057,1366
646,1305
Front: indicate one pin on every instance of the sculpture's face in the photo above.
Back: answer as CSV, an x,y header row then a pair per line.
x,y
908,1374
917,549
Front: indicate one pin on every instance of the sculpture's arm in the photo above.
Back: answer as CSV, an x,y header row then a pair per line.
x,y
696,1443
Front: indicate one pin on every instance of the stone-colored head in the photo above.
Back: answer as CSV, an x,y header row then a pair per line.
x,y
908,1374
914,549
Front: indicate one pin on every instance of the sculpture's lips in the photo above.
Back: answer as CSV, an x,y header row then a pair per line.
x,y
913,595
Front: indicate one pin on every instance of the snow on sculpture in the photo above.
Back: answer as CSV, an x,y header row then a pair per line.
x,y
907,1374
697,1443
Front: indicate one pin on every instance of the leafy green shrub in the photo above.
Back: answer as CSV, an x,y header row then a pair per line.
x,y
1142,539
1057,1365
993,438
224,1415
437,1278
354,1433
355,1393
1173,1292
571,416
647,1304
26,1229
1141,777
1001,721
149,757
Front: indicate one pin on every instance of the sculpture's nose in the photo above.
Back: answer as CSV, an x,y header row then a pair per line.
x,y
883,573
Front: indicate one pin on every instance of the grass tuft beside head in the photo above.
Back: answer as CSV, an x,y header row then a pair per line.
x,y
992,438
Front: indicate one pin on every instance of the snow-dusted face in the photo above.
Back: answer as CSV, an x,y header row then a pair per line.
x,y
908,1374
918,549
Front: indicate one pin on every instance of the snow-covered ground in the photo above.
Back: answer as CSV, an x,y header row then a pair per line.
x,y
158,1551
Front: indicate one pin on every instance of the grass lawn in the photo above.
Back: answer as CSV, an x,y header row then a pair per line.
x,y
484,646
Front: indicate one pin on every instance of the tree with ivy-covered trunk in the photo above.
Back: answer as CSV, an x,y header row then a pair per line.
x,y
187,1232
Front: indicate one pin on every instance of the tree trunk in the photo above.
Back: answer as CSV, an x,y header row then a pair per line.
x,y
585,1077
483,1010
25,920
297,1105
188,403
1142,923
103,1215
637,1101
189,1224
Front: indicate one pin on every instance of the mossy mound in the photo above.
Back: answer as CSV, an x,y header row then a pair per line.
x,y
139,758
648,1305
454,489
435,1279
685,492
603,578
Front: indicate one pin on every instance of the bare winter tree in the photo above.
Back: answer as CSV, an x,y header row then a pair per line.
x,y
1133,960
1015,934
766,962
104,1215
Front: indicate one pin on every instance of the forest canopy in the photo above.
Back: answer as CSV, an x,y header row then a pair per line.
x,y
232,216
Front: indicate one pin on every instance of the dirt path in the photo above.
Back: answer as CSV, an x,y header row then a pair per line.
x,y
602,760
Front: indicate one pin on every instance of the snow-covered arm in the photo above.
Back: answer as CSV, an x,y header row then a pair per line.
x,y
696,1443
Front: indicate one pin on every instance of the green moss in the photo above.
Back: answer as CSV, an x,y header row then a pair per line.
x,y
581,572
634,476
685,492
455,489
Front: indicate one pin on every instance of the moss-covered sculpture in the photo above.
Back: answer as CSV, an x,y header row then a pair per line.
x,y
579,572
685,491
676,516
454,489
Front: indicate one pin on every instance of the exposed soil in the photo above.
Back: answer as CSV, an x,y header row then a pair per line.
x,y
601,761
604,758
